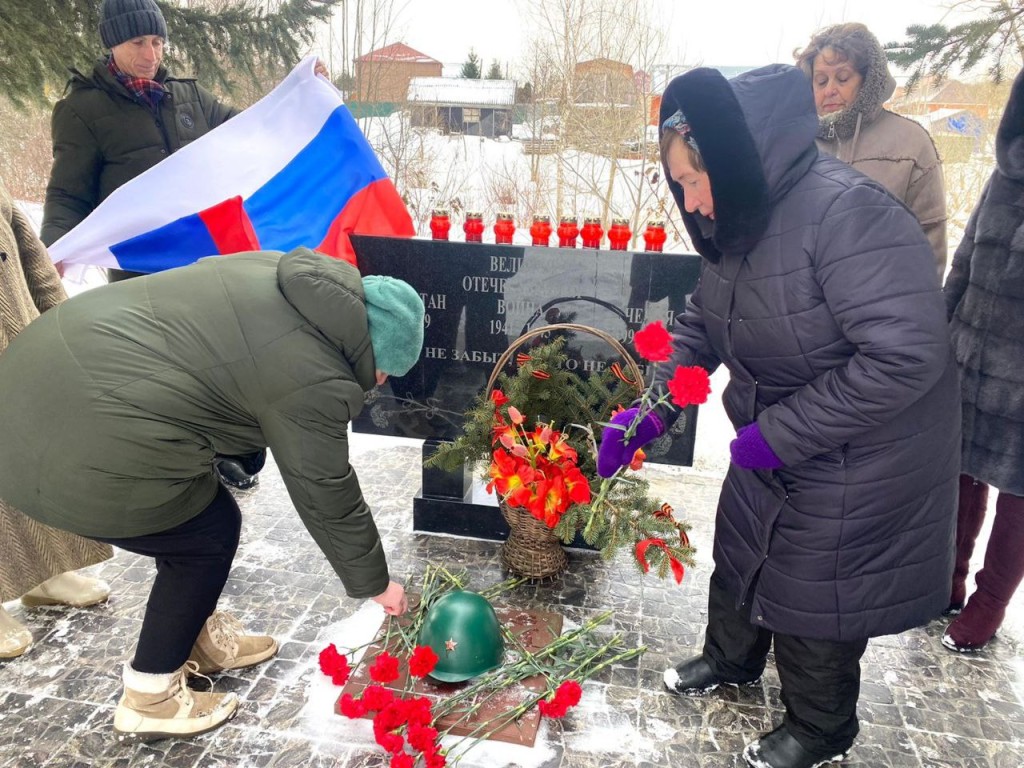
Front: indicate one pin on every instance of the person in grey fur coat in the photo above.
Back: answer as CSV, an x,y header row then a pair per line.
x,y
985,304
851,81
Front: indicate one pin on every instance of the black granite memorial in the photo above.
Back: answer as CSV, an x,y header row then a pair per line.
x,y
479,299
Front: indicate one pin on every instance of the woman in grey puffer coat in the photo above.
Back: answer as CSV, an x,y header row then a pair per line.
x,y
851,81
985,302
818,293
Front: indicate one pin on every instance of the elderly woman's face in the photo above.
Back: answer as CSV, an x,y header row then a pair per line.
x,y
140,56
836,82
696,184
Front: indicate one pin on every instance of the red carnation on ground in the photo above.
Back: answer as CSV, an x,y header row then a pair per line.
x,y
351,707
653,342
402,760
422,738
384,669
376,697
422,661
334,665
567,696
689,386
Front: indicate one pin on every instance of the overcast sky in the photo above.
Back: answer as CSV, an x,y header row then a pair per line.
x,y
712,32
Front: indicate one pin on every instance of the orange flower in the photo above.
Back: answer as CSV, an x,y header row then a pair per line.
x,y
638,459
577,485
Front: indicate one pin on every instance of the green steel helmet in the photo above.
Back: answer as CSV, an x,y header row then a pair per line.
x,y
463,630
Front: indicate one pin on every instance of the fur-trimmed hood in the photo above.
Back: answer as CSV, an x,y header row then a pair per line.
x,y
756,138
1010,138
878,86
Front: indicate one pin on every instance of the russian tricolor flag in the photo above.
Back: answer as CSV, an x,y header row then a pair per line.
x,y
293,169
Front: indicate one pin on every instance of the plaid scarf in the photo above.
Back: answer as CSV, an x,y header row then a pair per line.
x,y
148,92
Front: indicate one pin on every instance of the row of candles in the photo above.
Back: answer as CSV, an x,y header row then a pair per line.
x,y
568,231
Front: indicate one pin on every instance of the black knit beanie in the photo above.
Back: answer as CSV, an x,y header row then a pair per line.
x,y
122,20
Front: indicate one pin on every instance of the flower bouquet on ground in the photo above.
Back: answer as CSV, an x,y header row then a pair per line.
x,y
538,432
421,722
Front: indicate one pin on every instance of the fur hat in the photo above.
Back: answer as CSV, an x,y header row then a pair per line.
x,y
122,20
394,313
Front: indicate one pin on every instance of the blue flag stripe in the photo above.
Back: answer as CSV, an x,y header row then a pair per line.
x,y
297,206
172,245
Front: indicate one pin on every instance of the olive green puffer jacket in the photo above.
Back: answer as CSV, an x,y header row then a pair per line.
x,y
116,401
102,138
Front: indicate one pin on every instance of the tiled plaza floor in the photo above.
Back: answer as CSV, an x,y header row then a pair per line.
x,y
920,705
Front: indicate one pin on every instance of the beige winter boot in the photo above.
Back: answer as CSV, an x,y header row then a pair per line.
x,y
221,645
161,706
14,638
68,588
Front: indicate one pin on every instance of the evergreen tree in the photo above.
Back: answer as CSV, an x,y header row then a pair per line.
x,y
40,40
934,49
471,67
494,73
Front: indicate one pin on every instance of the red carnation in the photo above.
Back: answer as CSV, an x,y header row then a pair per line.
x,y
653,342
376,698
402,760
422,661
331,660
566,696
341,672
351,707
435,760
422,737
417,711
689,386
384,669
570,692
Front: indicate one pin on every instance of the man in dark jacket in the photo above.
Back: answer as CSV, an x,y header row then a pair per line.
x,y
818,292
117,401
121,120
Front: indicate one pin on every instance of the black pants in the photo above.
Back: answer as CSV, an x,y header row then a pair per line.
x,y
820,678
192,565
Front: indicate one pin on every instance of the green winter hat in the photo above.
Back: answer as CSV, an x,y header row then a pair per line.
x,y
394,312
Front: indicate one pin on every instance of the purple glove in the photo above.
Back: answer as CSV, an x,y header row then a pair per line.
x,y
614,452
751,451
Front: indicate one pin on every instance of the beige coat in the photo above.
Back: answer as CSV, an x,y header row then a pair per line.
x,y
30,552
899,154
893,150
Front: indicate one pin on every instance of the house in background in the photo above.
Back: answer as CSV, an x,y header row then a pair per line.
x,y
610,104
463,105
955,114
381,77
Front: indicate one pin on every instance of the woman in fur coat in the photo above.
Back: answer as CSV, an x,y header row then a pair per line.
x,y
851,81
36,561
985,303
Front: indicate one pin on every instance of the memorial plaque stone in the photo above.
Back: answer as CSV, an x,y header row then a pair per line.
x,y
479,299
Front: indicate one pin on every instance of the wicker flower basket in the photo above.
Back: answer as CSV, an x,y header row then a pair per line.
x,y
532,549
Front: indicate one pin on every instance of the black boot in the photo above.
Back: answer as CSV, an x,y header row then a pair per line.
x,y
695,677
779,749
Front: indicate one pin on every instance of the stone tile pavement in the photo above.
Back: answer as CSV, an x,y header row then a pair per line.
x,y
920,705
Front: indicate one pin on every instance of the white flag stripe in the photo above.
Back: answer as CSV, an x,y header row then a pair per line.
x,y
236,158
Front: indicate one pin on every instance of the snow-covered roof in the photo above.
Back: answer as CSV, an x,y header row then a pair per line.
x,y
461,90
398,52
